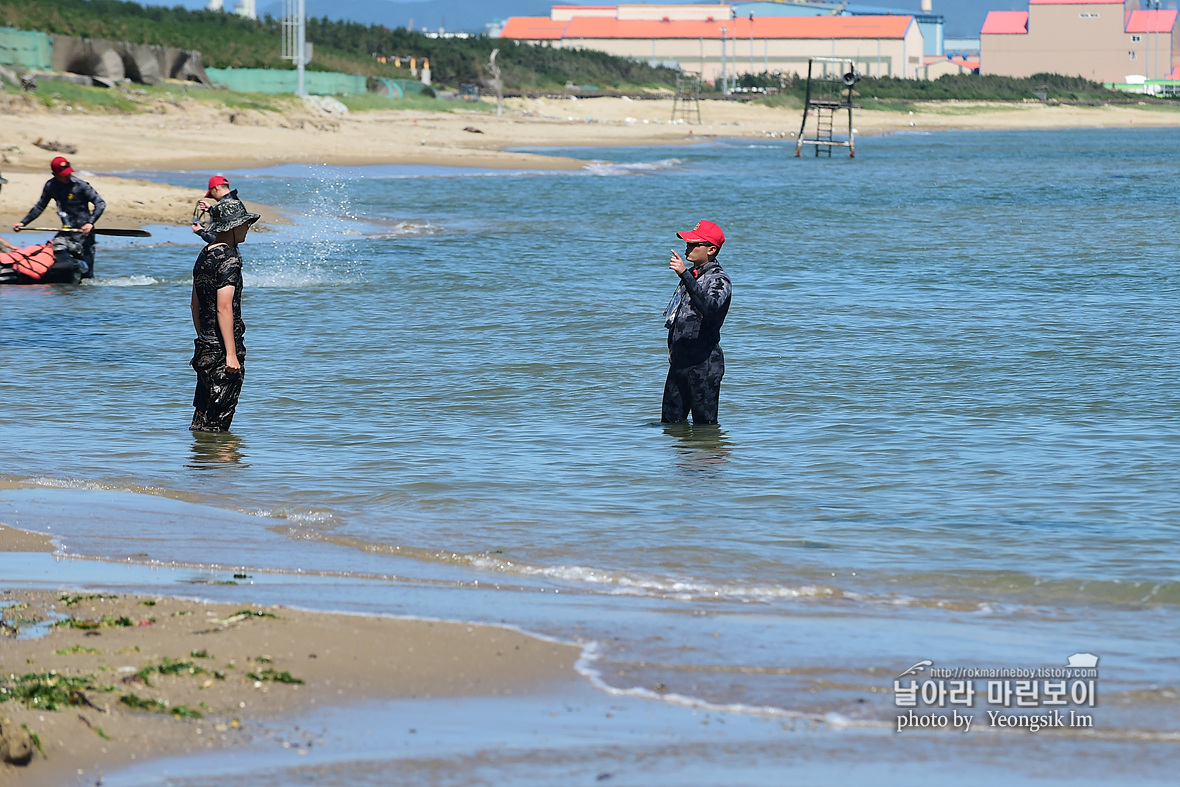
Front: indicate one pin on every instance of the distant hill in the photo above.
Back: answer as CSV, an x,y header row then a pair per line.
x,y
229,41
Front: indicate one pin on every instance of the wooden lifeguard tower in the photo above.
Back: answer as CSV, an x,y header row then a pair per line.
x,y
829,92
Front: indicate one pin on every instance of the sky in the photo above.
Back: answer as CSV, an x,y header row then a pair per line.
x,y
964,18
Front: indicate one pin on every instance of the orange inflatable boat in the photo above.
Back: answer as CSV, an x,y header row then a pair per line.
x,y
38,265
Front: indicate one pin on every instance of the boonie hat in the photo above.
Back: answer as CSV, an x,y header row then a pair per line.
x,y
704,232
61,166
229,213
216,180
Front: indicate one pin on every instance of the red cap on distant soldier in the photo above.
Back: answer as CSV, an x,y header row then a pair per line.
x,y
704,232
60,166
216,180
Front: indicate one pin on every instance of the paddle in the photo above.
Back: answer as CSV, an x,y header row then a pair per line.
x,y
96,231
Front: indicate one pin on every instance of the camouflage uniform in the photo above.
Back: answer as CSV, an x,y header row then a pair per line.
x,y
696,364
218,265
74,198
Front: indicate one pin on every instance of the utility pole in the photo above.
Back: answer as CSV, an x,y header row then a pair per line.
x,y
751,45
295,39
724,75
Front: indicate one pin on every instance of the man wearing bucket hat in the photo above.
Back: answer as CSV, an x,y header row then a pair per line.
x,y
74,198
693,318
219,354
218,190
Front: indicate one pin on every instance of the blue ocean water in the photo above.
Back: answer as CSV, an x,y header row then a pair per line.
x,y
949,425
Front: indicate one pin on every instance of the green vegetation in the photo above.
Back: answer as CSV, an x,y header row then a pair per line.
x,y
136,702
65,94
230,41
67,599
241,614
48,690
35,738
169,667
272,674
76,649
891,93
411,101
109,621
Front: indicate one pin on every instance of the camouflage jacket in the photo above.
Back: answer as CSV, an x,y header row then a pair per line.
x,y
73,198
218,265
696,312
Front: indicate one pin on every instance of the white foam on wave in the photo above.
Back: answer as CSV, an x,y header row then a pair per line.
x,y
608,169
408,229
683,590
293,278
591,653
125,281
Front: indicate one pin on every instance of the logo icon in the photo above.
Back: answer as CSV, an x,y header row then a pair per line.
x,y
1083,661
919,667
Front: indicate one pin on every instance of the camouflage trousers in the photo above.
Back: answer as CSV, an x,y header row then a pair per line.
x,y
216,398
694,389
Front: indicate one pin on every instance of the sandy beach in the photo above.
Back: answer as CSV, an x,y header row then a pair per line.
x,y
191,135
110,679
147,676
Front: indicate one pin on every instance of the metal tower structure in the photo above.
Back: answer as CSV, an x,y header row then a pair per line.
x,y
295,38
687,101
829,91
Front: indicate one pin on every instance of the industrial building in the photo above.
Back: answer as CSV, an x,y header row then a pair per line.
x,y
1109,41
712,40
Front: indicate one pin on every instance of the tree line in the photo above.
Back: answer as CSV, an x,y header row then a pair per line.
x,y
230,41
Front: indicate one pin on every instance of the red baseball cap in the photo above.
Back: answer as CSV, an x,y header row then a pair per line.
x,y
60,166
704,232
216,180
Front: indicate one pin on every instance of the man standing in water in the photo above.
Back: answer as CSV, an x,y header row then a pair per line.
x,y
693,319
219,356
74,197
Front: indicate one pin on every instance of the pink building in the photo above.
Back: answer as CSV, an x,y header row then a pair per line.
x,y
1101,40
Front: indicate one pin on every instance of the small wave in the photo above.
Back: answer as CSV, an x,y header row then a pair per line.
x,y
408,229
125,281
625,584
294,517
296,279
602,168
591,653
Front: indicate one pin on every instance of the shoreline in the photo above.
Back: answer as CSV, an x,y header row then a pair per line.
x,y
132,677
200,138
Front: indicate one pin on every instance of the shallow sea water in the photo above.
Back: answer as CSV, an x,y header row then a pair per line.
x,y
948,425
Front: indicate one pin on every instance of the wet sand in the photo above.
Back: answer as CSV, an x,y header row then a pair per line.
x,y
195,136
147,677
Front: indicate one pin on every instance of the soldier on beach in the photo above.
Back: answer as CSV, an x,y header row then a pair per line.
x,y
693,318
74,198
219,354
218,190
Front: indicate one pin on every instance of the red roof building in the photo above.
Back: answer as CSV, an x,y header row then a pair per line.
x,y
706,39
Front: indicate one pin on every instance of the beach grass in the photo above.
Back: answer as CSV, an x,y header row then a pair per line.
x,y
372,101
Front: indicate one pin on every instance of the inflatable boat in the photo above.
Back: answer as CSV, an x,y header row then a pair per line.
x,y
44,263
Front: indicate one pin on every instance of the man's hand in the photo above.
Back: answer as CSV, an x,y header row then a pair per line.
x,y
18,226
203,204
231,365
197,228
677,263
86,228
